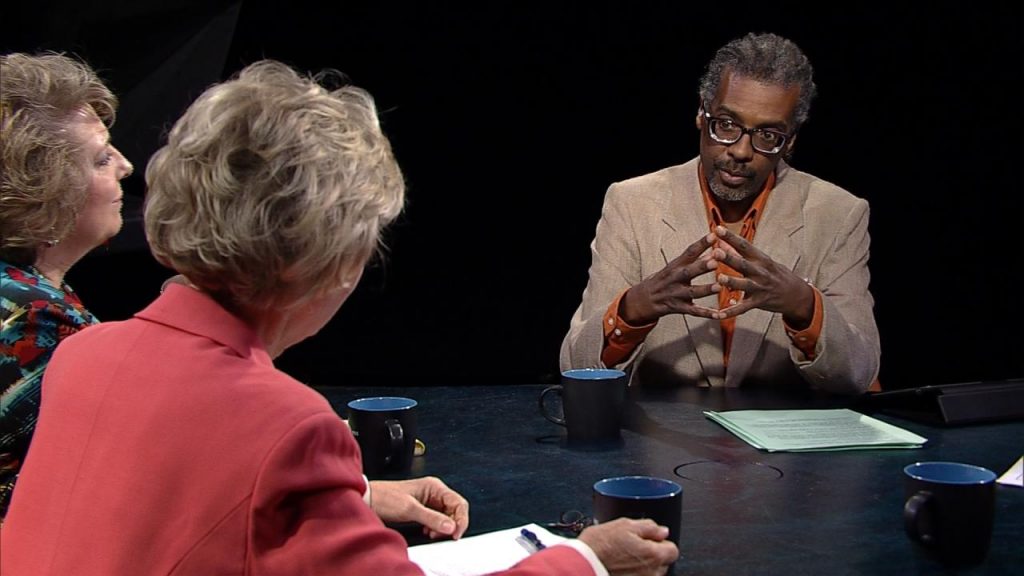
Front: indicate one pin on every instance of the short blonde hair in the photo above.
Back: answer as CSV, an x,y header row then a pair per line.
x,y
272,188
42,180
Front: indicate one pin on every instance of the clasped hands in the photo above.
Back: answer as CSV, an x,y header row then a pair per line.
x,y
765,284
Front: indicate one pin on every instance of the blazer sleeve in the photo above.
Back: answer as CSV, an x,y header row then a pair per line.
x,y
848,350
308,515
615,266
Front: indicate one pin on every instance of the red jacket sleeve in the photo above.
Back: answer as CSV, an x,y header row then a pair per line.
x,y
308,515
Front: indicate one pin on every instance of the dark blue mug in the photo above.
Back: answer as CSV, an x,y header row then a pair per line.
x,y
659,499
592,405
385,428
949,509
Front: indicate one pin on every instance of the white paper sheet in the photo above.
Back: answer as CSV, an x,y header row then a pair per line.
x,y
1014,476
478,555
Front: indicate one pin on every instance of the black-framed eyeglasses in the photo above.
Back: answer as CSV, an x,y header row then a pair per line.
x,y
728,131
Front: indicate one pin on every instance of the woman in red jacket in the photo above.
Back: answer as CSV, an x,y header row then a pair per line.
x,y
169,443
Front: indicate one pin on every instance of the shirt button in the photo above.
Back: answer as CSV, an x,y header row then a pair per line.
x,y
611,322
732,301
617,332
802,338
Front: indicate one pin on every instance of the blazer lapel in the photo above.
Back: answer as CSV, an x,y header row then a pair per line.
x,y
779,236
684,222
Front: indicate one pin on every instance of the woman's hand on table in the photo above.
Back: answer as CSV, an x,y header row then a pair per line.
x,y
427,501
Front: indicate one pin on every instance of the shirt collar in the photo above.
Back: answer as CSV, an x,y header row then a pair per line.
x,y
753,214
189,310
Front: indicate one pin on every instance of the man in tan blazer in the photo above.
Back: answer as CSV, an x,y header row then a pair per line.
x,y
734,268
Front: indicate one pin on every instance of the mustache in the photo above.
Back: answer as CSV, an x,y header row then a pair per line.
x,y
734,169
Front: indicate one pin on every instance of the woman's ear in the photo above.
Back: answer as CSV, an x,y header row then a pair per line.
x,y
352,280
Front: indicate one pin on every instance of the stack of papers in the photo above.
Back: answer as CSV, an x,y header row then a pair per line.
x,y
814,430
479,555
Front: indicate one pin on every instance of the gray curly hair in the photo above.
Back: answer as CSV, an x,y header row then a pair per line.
x,y
766,58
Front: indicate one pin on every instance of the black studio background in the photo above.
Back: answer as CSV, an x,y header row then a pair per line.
x,y
511,119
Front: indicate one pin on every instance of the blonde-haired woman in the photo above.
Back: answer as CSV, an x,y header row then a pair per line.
x,y
169,443
60,197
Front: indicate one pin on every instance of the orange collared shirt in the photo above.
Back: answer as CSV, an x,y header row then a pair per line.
x,y
621,338
748,226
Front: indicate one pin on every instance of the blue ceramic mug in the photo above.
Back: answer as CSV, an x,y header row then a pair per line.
x,y
949,510
592,404
659,499
385,428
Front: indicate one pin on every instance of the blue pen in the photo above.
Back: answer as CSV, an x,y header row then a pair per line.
x,y
532,539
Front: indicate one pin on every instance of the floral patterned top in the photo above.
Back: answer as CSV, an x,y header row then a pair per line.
x,y
35,316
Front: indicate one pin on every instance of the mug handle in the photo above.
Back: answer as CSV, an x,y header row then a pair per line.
x,y
917,505
543,409
397,436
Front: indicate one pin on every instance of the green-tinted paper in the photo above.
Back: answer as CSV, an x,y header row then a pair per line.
x,y
813,430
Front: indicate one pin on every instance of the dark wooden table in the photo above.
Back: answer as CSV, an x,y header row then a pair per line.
x,y
744,511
